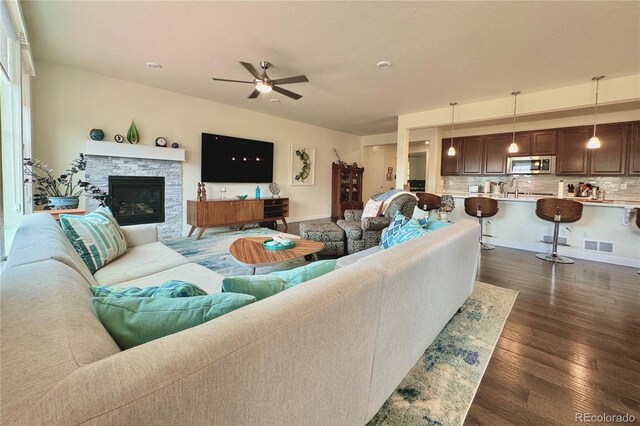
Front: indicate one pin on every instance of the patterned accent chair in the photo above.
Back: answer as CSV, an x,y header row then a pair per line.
x,y
365,233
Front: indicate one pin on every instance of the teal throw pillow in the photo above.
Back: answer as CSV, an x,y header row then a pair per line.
x,y
263,286
132,321
306,272
398,221
409,231
97,237
433,224
259,286
173,288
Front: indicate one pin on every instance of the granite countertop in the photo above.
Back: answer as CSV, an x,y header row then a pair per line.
x,y
627,204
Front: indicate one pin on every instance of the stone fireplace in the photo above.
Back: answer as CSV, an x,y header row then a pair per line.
x,y
146,182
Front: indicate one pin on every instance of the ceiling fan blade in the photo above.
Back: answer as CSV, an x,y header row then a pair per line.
x,y
287,93
254,72
254,94
232,81
289,80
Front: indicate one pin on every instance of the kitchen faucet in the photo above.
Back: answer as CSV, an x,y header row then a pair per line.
x,y
513,179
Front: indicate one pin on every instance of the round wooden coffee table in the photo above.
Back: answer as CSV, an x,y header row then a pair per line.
x,y
248,251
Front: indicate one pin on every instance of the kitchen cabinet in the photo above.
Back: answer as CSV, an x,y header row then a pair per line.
x,y
472,152
633,154
609,159
543,142
346,189
450,166
523,140
495,154
572,155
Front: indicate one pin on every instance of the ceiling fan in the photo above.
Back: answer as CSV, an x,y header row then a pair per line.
x,y
263,84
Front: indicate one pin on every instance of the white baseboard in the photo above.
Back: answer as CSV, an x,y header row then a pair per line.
x,y
537,247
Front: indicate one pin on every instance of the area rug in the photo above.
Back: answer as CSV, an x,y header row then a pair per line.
x,y
439,389
212,251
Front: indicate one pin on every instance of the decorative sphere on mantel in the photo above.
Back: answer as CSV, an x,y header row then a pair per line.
x,y
96,134
174,145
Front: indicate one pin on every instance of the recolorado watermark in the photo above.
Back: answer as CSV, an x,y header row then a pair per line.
x,y
605,418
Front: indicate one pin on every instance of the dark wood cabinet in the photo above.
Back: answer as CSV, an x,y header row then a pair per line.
x,y
609,159
450,166
572,155
543,142
495,154
472,156
346,189
633,153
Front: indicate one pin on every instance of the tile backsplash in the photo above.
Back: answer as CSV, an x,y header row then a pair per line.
x,y
549,184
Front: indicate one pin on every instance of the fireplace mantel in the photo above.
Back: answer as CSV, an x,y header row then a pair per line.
x,y
127,150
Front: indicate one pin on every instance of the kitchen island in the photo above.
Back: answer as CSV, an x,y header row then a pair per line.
x,y
605,233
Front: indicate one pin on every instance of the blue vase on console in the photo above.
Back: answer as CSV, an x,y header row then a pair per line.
x,y
257,192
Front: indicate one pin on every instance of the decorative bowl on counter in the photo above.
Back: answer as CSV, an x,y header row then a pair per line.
x,y
241,197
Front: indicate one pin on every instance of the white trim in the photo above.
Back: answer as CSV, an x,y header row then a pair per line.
x,y
566,251
127,150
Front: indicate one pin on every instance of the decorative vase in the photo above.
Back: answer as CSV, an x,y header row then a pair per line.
x,y
63,203
96,134
447,203
132,134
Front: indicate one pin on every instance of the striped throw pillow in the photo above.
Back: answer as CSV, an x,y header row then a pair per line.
x,y
97,237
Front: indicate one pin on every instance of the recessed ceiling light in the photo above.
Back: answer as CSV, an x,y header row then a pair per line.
x,y
274,100
427,142
383,64
153,66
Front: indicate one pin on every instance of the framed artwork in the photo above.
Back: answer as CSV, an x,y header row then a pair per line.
x,y
303,164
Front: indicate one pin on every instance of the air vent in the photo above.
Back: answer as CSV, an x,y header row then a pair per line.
x,y
548,239
23,37
602,246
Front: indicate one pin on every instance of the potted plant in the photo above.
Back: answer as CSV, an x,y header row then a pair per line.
x,y
62,192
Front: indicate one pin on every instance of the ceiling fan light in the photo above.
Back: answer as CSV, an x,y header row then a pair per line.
x,y
513,148
263,87
594,143
451,152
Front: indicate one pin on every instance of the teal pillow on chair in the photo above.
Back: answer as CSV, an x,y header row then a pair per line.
x,y
263,286
97,237
173,288
132,321
409,231
434,224
259,286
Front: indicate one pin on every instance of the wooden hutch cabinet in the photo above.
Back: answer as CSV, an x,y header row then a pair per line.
x,y
346,189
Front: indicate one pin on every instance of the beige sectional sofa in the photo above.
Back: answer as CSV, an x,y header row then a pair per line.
x,y
329,351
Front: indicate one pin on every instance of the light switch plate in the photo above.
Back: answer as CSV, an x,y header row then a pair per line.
x,y
623,186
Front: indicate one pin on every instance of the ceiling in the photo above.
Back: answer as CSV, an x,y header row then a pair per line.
x,y
440,51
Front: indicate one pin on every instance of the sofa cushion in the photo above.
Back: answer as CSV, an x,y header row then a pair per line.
x,y
258,286
409,231
28,245
398,221
173,288
139,262
133,321
353,258
48,330
96,237
204,278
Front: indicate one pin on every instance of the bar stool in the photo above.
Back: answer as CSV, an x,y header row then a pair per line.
x,y
558,211
638,221
427,201
481,207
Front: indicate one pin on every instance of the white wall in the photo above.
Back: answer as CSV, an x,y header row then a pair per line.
x,y
68,103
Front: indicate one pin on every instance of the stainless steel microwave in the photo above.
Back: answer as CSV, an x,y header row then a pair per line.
x,y
538,165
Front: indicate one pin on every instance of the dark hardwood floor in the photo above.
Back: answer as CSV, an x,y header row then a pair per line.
x,y
570,345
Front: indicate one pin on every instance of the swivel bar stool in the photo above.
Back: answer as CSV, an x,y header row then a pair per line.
x,y
481,207
427,201
558,211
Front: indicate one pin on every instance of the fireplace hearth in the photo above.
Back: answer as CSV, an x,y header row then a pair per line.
x,y
137,199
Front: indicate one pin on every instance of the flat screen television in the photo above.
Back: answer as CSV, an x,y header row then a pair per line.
x,y
229,159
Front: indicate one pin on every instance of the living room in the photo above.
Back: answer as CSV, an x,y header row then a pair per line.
x,y
380,80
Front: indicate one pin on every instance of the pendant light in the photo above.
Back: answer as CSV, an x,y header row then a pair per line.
x,y
513,148
594,142
452,151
